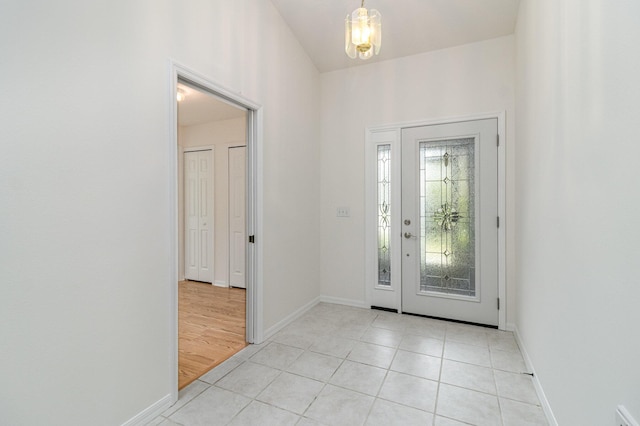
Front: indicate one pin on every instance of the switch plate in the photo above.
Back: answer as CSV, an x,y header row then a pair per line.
x,y
342,212
623,418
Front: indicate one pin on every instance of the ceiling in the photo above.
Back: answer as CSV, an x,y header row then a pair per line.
x,y
408,26
199,107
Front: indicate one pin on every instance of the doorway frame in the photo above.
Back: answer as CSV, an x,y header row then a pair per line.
x,y
391,134
254,143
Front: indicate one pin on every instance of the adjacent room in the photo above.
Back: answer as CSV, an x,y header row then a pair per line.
x,y
211,209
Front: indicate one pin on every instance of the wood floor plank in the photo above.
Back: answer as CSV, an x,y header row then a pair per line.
x,y
211,327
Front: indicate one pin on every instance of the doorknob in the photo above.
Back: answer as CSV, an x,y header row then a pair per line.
x,y
409,235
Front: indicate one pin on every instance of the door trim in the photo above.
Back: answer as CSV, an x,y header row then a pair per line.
x,y
255,137
391,134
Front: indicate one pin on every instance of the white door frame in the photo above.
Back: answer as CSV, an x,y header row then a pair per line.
x,y
391,134
254,308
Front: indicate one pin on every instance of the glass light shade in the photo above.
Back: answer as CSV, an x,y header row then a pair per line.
x,y
363,33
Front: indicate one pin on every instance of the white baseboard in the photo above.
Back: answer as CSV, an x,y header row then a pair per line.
x,y
347,302
220,284
289,318
151,412
544,402
624,417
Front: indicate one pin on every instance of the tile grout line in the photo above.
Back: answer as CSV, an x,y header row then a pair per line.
x,y
495,382
324,383
435,408
377,395
191,399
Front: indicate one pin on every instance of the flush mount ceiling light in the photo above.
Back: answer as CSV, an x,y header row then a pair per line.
x,y
363,33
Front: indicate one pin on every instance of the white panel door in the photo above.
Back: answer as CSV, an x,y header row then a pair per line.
x,y
198,202
237,219
449,221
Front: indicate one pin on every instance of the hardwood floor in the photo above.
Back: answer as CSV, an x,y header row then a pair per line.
x,y
211,327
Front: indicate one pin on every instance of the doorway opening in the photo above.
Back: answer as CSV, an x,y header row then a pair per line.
x,y
215,191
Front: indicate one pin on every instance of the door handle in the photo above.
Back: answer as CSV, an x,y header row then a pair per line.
x,y
409,235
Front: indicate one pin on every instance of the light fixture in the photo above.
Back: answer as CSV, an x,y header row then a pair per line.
x,y
363,33
180,95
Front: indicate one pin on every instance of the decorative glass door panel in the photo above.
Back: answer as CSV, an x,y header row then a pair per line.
x,y
449,208
384,215
383,208
447,217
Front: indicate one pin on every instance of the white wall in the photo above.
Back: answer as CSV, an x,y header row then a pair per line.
x,y
464,80
222,135
578,204
84,177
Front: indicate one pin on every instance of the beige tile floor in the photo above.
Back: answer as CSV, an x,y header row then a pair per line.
x,y
338,365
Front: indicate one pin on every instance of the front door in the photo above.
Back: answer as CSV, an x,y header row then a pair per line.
x,y
449,221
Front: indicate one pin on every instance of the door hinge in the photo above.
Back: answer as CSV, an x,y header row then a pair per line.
x,y
252,238
497,140
498,303
498,221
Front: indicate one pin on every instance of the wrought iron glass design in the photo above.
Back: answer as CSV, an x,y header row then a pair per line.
x,y
384,215
447,217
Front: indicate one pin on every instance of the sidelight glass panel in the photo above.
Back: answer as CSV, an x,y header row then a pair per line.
x,y
384,215
447,217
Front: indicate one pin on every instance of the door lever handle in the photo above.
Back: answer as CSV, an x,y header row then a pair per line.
x,y
409,235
